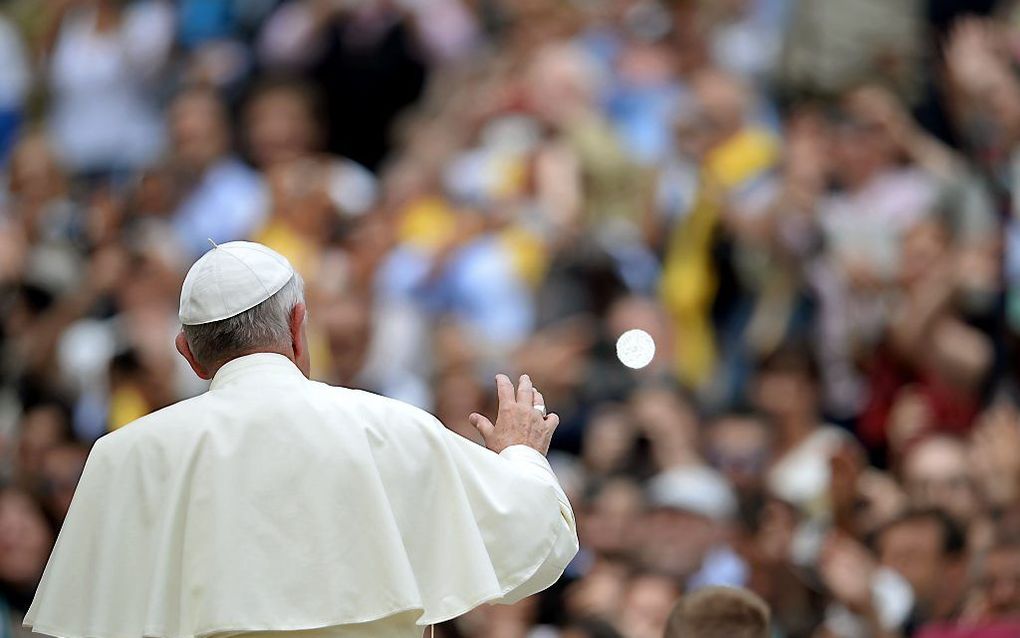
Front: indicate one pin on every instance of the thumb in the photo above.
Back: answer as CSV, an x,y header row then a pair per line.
x,y
482,424
552,420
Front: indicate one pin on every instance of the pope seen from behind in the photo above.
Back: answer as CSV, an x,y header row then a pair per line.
x,y
272,503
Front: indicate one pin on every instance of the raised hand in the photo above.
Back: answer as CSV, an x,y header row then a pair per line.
x,y
972,56
995,454
521,419
847,569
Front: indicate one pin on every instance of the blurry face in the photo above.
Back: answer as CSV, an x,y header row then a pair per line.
x,y
647,605
1000,582
42,429
914,550
738,447
675,541
859,151
148,287
453,347
25,539
198,130
62,468
279,128
608,442
785,395
722,104
608,524
923,246
561,81
661,409
600,593
935,474
693,134
34,172
346,324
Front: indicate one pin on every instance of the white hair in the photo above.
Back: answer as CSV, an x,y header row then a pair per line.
x,y
267,325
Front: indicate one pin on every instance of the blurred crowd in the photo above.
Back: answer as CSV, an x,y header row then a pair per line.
x,y
809,205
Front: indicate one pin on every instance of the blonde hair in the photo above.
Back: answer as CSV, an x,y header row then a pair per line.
x,y
719,612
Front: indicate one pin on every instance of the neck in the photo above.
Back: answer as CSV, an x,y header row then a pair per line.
x,y
289,354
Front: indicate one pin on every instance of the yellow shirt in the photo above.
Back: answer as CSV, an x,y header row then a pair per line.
x,y
688,284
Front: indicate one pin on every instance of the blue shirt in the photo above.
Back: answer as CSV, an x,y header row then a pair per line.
x,y
228,203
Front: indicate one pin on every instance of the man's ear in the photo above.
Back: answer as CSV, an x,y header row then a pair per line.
x,y
297,324
182,346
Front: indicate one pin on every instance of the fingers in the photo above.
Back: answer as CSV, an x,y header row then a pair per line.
x,y
482,424
526,392
504,390
539,399
552,421
517,422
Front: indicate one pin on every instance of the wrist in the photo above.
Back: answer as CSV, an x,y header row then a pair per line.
x,y
521,449
528,458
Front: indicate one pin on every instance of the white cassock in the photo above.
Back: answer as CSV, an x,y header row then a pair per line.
x,y
275,503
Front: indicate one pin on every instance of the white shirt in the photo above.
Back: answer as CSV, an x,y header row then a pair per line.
x,y
15,76
801,476
869,223
103,113
275,503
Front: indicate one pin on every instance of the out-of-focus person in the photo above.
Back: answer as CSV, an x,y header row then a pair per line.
x,y
732,151
62,467
647,603
25,540
686,533
936,473
932,356
995,590
15,83
739,446
719,612
219,197
362,55
786,388
926,547
105,62
43,428
311,194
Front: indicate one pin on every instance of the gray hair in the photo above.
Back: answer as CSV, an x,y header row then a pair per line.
x,y
267,325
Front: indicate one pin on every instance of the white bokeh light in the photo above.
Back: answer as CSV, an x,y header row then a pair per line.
x,y
635,348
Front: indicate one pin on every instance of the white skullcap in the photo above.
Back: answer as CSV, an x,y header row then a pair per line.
x,y
229,279
696,489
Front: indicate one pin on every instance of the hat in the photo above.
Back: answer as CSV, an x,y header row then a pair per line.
x,y
229,279
696,489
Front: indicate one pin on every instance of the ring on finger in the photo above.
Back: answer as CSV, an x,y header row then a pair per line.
x,y
540,408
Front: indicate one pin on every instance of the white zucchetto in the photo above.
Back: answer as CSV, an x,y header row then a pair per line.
x,y
229,279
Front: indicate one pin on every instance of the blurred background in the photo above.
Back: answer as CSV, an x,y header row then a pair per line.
x,y
809,204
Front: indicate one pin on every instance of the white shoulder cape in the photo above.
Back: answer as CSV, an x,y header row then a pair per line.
x,y
275,503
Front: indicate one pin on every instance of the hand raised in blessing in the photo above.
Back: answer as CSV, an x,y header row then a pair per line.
x,y
521,419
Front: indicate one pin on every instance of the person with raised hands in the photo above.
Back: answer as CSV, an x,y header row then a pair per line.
x,y
273,503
